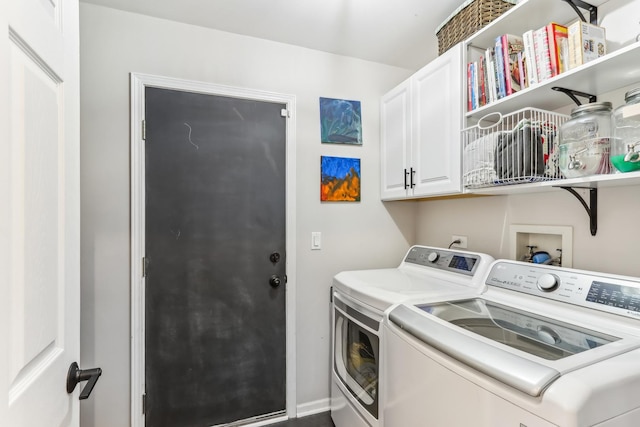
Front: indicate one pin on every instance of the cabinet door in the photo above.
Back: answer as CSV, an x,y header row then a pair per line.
x,y
437,121
395,136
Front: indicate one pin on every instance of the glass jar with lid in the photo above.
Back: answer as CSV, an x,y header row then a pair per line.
x,y
585,141
625,146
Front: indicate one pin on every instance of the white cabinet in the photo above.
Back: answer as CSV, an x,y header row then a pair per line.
x,y
395,140
420,131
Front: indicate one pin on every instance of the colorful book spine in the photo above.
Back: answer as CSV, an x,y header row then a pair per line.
x,y
511,45
558,47
543,60
500,77
522,68
482,86
530,58
472,78
469,87
476,94
491,75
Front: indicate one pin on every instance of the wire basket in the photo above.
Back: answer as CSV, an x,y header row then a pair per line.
x,y
519,147
470,17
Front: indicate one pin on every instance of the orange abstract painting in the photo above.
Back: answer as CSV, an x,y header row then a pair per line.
x,y
340,179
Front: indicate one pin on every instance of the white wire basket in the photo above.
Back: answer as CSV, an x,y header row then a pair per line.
x,y
515,148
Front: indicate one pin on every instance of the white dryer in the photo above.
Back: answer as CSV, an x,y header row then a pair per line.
x,y
359,299
540,346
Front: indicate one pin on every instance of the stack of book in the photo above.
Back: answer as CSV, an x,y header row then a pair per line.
x,y
516,62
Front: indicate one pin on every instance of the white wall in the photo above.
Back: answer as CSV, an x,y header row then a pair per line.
x,y
115,43
486,220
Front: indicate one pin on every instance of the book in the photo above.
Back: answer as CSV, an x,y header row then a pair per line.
x,y
499,62
482,87
522,68
469,87
530,58
491,75
476,86
586,43
472,82
558,47
511,45
543,60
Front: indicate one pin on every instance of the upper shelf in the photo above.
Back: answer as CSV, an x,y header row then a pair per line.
x,y
615,70
612,71
594,181
527,15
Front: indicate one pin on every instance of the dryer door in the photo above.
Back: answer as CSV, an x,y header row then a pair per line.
x,y
356,356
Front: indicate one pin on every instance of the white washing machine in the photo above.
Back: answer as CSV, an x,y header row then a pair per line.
x,y
359,299
540,346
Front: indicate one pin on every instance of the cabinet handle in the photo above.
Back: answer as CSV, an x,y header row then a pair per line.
x,y
413,184
406,173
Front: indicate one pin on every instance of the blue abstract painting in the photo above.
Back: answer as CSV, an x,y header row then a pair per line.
x,y
340,121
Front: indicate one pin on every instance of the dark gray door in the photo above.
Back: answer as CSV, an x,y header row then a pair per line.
x,y
215,239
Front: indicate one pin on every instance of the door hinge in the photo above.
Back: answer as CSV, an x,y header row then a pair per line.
x,y
285,113
144,403
145,266
144,130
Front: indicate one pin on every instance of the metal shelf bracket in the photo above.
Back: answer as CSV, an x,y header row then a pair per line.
x,y
593,10
573,93
591,208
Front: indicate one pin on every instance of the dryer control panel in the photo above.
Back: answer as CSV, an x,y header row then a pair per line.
x,y
611,293
443,259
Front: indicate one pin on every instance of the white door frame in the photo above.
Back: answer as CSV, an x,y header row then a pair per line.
x,y
138,84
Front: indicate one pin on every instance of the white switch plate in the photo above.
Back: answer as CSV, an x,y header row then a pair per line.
x,y
316,240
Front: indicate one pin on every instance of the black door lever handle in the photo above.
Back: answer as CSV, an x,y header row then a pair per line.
x,y
76,375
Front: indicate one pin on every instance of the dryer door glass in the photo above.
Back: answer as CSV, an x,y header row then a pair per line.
x,y
356,360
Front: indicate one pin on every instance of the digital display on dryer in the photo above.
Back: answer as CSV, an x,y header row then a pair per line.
x,y
624,297
462,263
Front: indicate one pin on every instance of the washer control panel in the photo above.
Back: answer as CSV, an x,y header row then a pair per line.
x,y
613,294
443,259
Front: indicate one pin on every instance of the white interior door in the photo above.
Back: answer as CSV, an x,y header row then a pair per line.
x,y
39,212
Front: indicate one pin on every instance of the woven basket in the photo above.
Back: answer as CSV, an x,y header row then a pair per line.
x,y
469,18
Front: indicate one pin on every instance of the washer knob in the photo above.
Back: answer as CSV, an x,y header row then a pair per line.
x,y
548,282
433,257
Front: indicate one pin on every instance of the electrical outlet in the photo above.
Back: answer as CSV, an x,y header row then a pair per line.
x,y
462,244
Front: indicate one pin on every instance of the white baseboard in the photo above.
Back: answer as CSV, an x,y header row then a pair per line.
x,y
311,408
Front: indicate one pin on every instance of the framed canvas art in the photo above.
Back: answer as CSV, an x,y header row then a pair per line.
x,y
340,121
339,179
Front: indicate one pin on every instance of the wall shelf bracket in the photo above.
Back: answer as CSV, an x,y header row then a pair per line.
x,y
591,208
573,93
593,10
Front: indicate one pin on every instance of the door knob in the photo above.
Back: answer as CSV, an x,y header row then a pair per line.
x,y
76,375
274,281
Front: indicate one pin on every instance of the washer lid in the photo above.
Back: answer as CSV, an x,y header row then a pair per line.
x,y
522,374
523,350
534,334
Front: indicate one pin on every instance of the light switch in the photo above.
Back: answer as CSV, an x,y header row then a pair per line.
x,y
316,240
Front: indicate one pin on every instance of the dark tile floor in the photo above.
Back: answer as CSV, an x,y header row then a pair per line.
x,y
317,420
